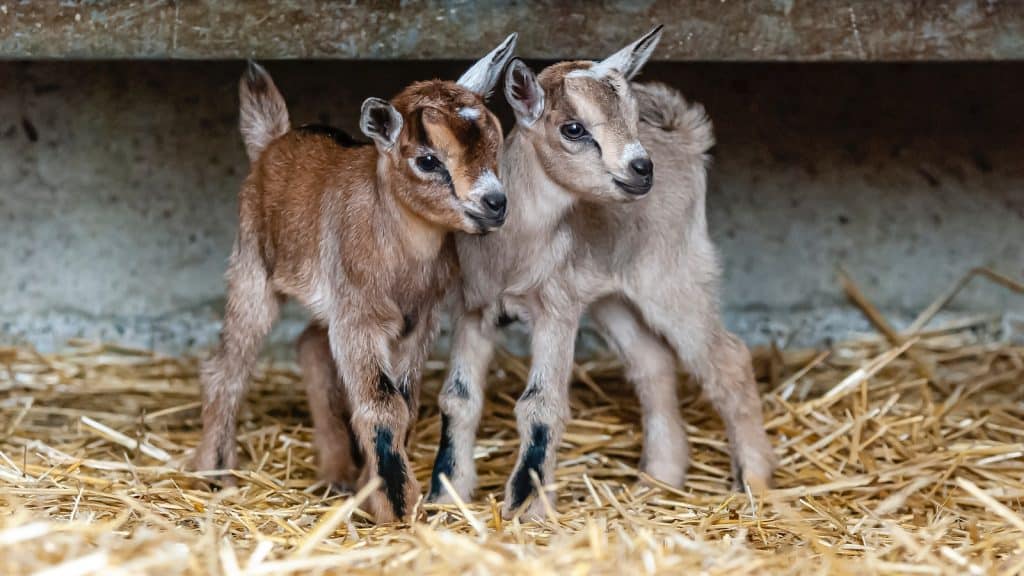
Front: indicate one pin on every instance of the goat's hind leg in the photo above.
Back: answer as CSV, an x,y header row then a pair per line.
x,y
651,367
251,310
722,365
339,458
728,379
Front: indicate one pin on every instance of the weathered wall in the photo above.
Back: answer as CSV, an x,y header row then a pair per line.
x,y
775,30
118,183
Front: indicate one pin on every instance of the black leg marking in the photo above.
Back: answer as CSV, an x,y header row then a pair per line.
x,y
445,462
391,469
456,386
533,459
532,389
358,458
408,324
405,389
385,385
530,392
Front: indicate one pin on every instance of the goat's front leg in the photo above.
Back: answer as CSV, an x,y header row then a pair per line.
x,y
461,402
543,409
380,416
418,332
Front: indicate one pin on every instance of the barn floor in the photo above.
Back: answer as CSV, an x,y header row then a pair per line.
x,y
881,472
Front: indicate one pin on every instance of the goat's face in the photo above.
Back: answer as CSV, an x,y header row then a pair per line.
x,y
591,134
449,152
442,145
584,121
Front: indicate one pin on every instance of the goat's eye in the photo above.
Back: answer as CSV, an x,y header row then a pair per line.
x,y
429,163
573,131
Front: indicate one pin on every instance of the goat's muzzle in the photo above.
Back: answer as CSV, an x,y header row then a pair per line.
x,y
641,177
491,212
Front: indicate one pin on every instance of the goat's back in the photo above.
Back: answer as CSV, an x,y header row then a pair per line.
x,y
302,182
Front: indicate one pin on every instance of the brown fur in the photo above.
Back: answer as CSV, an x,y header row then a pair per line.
x,y
363,241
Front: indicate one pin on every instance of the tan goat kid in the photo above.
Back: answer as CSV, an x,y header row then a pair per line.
x,y
361,236
583,232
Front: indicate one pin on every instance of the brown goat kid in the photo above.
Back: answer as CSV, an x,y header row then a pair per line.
x,y
361,236
590,228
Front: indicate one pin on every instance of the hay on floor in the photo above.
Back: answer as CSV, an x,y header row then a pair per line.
x,y
883,470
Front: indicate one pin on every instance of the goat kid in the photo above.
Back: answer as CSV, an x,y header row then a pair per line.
x,y
579,236
361,236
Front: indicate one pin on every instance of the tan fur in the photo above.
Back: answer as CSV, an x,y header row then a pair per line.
x,y
645,267
364,242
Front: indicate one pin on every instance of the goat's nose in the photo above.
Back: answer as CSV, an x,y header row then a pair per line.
x,y
496,202
643,166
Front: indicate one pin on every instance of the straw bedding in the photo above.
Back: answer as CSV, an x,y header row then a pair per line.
x,y
898,455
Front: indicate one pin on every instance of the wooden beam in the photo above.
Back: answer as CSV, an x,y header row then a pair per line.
x,y
755,30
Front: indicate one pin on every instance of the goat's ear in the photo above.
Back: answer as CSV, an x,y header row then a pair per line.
x,y
482,76
523,93
632,58
380,121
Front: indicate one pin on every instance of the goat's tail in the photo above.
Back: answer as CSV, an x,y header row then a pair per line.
x,y
263,113
665,108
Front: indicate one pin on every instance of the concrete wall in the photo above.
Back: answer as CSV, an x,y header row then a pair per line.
x,y
118,184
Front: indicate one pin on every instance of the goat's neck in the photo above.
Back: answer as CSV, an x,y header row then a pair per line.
x,y
420,239
537,203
